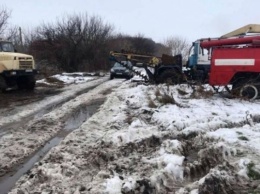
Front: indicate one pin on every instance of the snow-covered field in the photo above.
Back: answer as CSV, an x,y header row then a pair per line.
x,y
156,139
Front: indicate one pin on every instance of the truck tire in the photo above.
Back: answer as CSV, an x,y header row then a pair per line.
x,y
3,84
249,91
30,83
26,82
170,76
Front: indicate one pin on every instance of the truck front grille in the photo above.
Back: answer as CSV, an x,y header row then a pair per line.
x,y
26,64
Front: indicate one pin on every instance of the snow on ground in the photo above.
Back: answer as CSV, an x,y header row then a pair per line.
x,y
20,141
70,78
66,93
156,139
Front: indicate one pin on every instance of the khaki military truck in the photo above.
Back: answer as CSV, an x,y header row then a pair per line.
x,y
17,70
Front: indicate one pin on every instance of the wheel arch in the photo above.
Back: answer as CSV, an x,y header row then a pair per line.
x,y
244,77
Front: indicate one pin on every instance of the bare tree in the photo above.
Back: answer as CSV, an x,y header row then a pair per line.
x,y
76,42
178,45
137,44
4,16
9,32
162,49
120,42
143,45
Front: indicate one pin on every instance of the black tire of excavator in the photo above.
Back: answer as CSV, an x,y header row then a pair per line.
x,y
170,76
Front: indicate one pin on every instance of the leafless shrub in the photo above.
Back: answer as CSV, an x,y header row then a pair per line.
x,y
200,92
157,92
129,118
182,92
151,103
166,97
54,80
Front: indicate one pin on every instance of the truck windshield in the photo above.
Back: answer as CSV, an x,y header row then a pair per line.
x,y
6,47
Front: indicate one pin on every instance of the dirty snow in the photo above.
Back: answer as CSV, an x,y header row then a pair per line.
x,y
138,143
66,93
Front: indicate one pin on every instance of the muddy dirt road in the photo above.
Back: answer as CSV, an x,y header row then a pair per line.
x,y
32,123
137,142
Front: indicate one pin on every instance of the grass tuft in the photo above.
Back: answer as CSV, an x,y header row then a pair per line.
x,y
201,92
54,80
251,172
151,103
182,92
243,138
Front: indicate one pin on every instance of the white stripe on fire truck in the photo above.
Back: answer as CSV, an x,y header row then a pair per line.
x,y
231,62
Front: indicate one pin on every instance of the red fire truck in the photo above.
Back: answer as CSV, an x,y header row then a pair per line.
x,y
236,61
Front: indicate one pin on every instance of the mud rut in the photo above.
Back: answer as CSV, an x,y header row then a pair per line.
x,y
52,131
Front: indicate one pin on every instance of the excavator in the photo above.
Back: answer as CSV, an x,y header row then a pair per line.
x,y
158,69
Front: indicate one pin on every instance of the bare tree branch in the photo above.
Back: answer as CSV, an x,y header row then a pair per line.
x,y
4,16
178,45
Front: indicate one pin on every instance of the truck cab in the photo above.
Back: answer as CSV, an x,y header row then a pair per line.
x,y
16,69
199,61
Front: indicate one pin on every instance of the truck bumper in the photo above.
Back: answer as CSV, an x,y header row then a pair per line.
x,y
15,73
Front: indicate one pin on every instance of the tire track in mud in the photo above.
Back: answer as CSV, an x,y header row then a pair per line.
x,y
57,129
4,129
73,121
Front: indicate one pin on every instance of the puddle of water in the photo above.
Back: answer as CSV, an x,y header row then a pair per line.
x,y
8,181
80,116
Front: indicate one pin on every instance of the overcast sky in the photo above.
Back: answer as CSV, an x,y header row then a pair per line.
x,y
156,19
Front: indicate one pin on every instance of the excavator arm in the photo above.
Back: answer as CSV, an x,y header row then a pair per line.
x,y
145,60
136,58
250,28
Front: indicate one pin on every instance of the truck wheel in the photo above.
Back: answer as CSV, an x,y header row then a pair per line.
x,y
3,84
27,83
249,91
30,83
170,77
